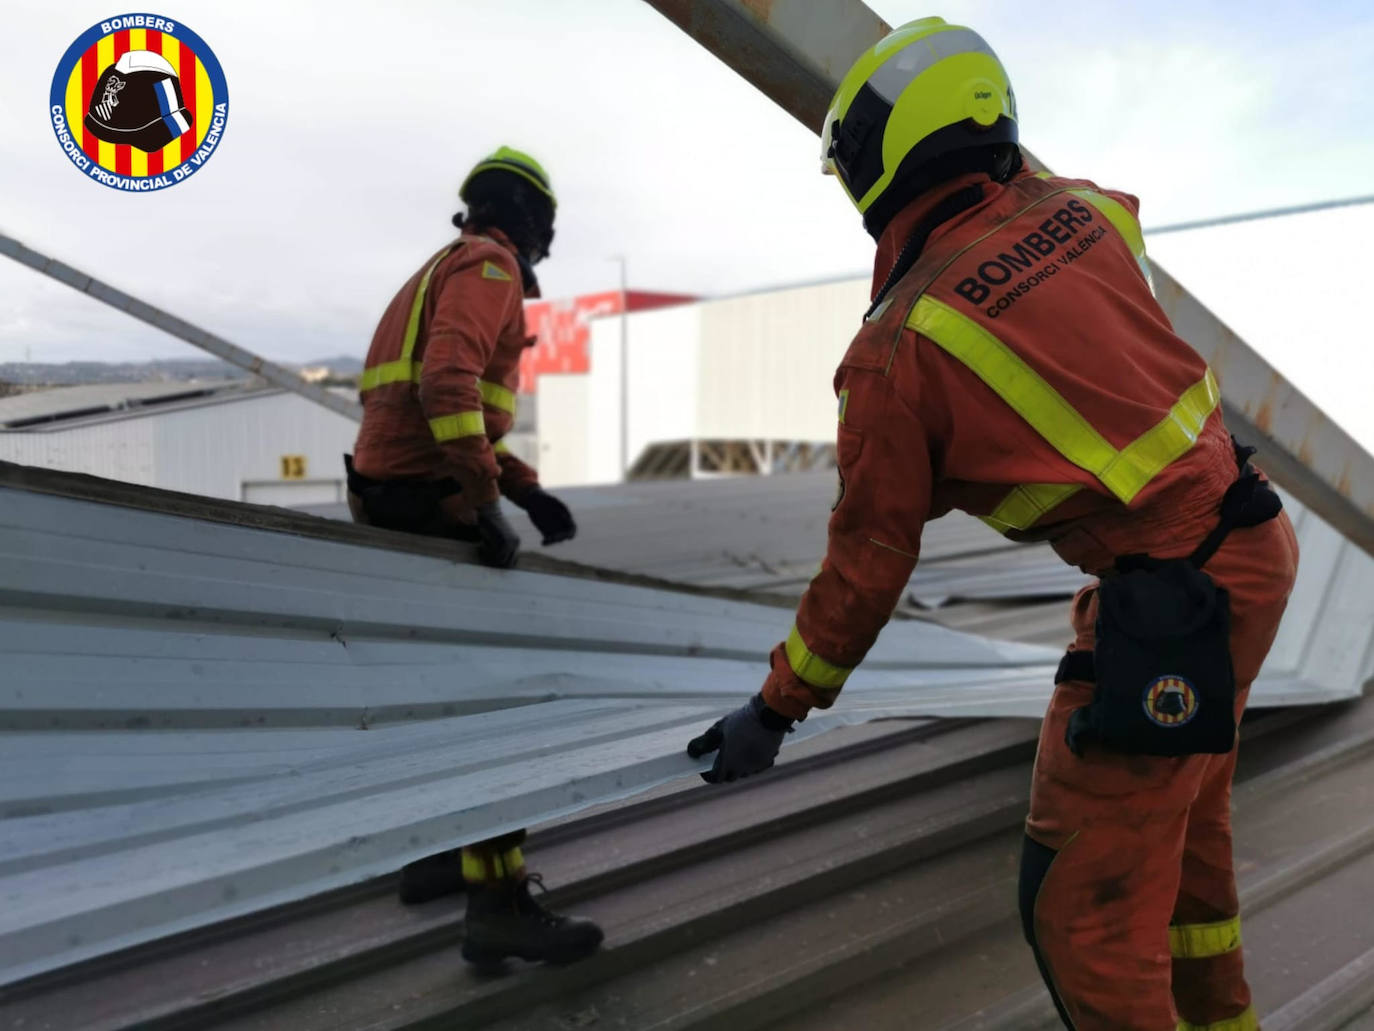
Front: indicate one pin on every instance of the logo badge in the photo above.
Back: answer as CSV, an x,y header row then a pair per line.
x,y
139,102
1170,701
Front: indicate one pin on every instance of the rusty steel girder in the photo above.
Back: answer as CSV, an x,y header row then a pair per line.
x,y
796,51
179,328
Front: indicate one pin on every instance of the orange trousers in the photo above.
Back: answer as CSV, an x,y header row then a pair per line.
x,y
1128,890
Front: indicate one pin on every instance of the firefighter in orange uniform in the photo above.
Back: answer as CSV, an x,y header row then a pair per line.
x,y
438,394
1015,365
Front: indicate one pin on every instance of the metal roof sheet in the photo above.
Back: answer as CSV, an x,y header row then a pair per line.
x,y
200,720
767,533
73,402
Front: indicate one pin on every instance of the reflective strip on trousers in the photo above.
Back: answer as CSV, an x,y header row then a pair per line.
x,y
1125,472
403,369
810,667
1247,1021
452,427
1202,941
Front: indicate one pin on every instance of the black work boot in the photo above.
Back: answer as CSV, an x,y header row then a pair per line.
x,y
432,877
504,920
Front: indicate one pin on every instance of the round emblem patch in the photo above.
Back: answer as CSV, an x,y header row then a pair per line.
x,y
139,102
1170,701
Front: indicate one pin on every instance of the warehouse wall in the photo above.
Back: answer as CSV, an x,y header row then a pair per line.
x,y
664,350
127,455
275,448
564,424
768,361
752,367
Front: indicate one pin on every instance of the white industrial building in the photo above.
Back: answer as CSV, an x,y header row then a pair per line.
x,y
731,385
750,372
233,440
220,439
735,384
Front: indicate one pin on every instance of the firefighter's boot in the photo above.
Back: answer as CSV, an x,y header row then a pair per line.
x,y
504,920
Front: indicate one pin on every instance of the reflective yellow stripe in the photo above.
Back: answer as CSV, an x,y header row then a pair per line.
x,y
1170,439
474,868
1025,504
810,667
390,372
451,427
501,447
403,369
497,396
1124,222
1247,1021
417,305
1119,216
1123,472
1199,941
1015,382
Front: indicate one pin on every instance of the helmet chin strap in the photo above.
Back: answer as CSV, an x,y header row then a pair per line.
x,y
528,280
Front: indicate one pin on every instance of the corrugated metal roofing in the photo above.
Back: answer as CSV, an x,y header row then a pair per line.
x,y
73,402
767,534
203,720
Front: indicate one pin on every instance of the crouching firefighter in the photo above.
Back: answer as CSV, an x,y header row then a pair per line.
x,y
438,394
1015,365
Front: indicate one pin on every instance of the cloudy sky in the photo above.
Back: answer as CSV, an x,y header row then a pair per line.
x,y
351,124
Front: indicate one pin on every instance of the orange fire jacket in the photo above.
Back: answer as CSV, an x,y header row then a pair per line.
x,y
1022,371
438,389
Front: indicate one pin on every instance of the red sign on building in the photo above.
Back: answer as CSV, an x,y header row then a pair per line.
x,y
564,337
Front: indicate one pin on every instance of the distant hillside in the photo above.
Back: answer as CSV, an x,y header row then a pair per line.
x,y
163,370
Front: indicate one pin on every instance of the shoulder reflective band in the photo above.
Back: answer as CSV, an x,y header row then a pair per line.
x,y
451,427
403,370
1122,220
1125,223
1247,1021
1025,504
1123,472
497,396
1200,941
810,667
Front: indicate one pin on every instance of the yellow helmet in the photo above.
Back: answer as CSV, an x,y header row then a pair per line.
x,y
925,90
508,159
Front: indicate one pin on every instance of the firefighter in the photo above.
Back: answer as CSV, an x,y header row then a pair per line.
x,y
1015,364
438,395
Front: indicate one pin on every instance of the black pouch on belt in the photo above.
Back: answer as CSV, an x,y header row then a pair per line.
x,y
1162,663
1165,685
409,505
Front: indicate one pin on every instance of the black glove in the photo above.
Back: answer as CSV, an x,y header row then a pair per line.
x,y
549,515
745,742
499,542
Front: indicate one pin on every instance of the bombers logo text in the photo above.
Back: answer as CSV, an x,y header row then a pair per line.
x,y
1034,248
139,102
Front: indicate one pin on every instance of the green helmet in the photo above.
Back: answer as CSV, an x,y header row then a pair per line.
x,y
508,159
925,90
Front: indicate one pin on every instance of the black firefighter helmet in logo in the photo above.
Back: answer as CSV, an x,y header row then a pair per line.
x,y
137,100
1171,701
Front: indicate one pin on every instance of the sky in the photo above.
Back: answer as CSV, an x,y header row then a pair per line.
x,y
351,125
